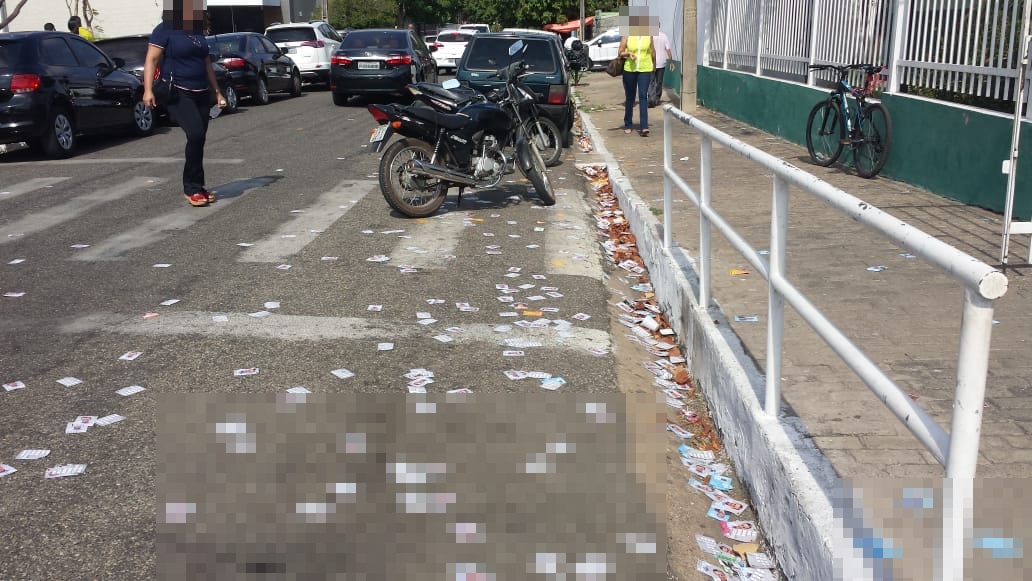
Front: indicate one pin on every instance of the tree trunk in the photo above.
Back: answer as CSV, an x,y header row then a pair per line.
x,y
13,14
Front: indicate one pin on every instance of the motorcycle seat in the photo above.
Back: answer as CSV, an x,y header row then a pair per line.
x,y
446,120
457,98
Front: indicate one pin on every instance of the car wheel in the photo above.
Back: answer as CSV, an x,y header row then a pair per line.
x,y
232,100
340,99
143,118
59,140
295,84
261,93
591,65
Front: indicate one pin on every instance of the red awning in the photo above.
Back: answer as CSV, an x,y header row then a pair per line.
x,y
570,26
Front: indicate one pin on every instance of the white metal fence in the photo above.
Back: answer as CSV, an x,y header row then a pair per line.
x,y
969,47
957,449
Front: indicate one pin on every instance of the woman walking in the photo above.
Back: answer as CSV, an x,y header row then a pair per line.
x,y
179,40
640,60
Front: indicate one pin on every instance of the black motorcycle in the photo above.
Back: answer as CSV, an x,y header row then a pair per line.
x,y
577,55
440,150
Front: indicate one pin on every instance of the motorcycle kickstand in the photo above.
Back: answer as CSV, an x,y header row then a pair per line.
x,y
458,202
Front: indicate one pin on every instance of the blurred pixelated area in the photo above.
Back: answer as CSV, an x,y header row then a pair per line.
x,y
896,526
371,486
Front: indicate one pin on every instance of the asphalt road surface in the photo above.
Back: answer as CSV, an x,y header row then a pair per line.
x,y
91,248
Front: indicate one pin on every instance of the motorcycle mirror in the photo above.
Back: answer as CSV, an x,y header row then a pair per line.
x,y
515,47
451,84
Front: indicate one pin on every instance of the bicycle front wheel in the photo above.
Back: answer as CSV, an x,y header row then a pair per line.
x,y
876,130
824,133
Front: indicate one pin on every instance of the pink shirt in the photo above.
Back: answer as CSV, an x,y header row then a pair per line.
x,y
662,44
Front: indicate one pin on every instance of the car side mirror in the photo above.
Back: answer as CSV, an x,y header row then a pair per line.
x,y
119,62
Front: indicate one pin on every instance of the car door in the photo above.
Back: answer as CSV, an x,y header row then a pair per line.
x,y
427,68
331,39
77,83
277,65
113,96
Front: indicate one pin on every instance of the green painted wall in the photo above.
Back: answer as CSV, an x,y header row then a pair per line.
x,y
952,151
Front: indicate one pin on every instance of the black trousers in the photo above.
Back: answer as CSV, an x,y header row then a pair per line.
x,y
191,110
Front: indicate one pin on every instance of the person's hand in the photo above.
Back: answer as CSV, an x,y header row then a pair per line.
x,y
148,99
220,100
671,66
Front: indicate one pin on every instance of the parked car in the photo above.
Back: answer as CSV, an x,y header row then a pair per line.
x,y
133,51
603,48
55,86
379,62
450,46
309,44
546,62
256,66
430,39
475,28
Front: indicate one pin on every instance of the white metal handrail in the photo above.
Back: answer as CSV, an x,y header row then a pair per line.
x,y
983,284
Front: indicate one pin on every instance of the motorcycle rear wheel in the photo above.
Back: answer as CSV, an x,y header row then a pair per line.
x,y
536,174
412,195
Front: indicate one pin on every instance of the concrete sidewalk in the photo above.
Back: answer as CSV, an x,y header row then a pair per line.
x,y
906,317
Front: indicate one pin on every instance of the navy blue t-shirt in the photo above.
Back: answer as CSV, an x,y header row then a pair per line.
x,y
184,56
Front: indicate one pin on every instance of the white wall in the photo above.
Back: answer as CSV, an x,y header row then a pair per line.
x,y
115,17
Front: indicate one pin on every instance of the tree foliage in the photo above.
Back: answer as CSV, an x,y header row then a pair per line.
x,y
498,13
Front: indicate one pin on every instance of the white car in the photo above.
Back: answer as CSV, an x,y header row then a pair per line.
x,y
309,44
603,48
475,28
450,46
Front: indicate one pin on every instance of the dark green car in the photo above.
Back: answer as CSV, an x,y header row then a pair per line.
x,y
546,61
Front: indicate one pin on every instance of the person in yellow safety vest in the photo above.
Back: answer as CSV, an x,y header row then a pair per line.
x,y
75,27
639,56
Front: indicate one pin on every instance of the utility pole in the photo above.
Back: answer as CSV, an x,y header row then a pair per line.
x,y
580,33
689,58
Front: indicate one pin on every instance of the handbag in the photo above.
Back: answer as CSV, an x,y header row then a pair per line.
x,y
615,67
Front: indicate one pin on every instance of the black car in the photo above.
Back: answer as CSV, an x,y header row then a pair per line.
x,y
546,62
133,51
55,86
256,66
379,62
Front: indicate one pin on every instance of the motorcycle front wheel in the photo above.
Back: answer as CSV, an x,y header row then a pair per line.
x,y
532,165
544,135
413,195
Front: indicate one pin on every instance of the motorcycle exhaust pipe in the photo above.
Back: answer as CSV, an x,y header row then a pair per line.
x,y
435,171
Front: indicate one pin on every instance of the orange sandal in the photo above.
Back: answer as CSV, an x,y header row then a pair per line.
x,y
197,200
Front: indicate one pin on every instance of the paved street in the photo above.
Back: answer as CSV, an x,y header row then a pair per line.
x,y
275,276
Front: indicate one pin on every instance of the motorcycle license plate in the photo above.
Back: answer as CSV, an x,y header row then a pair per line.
x,y
379,133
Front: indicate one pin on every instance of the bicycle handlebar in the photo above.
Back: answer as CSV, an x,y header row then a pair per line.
x,y
867,68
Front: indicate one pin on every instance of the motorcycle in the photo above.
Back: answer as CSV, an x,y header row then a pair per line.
x,y
440,150
577,56
517,99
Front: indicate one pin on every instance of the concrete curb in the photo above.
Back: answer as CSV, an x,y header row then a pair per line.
x,y
788,478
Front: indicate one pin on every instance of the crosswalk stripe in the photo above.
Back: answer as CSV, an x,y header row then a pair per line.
x,y
429,241
312,328
28,186
72,209
160,227
292,237
120,160
572,236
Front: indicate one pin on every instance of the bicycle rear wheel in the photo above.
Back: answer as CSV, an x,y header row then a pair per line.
x,y
824,133
876,129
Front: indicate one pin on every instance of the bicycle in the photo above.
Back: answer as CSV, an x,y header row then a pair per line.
x,y
867,129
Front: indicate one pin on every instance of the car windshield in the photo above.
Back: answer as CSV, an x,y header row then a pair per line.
x,y
227,44
10,51
491,54
375,39
453,37
132,51
294,34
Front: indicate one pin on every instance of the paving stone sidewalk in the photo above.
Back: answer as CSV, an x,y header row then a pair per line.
x,y
905,317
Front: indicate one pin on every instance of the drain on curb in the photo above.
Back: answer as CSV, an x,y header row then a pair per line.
x,y
705,468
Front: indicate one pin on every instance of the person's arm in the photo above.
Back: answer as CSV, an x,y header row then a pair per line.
x,y
214,83
150,64
652,51
622,51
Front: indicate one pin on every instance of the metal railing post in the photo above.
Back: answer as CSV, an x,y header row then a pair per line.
x,y
668,195
759,35
705,197
727,33
900,22
969,395
776,302
814,16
